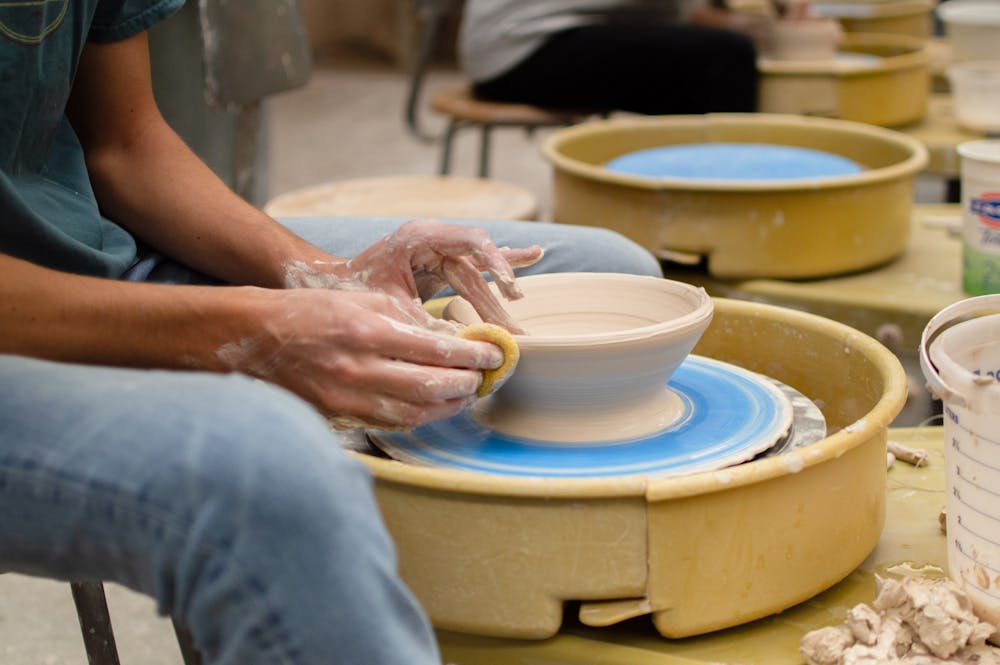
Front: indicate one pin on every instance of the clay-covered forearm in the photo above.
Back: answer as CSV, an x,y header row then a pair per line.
x,y
59,316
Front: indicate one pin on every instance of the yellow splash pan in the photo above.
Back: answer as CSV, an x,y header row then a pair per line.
x,y
896,17
500,555
784,229
889,91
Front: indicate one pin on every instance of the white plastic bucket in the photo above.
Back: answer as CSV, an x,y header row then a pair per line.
x,y
980,217
975,88
960,358
972,28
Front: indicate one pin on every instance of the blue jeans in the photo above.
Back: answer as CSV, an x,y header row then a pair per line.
x,y
228,500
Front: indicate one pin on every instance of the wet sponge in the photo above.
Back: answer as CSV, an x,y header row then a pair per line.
x,y
488,332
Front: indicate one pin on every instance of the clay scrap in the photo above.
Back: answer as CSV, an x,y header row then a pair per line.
x,y
913,621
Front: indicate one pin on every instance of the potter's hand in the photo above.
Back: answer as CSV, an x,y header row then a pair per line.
x,y
350,355
423,256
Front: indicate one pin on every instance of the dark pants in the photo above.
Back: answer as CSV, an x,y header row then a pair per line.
x,y
652,69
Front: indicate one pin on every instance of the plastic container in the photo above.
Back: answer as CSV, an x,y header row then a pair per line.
x,y
980,216
972,28
960,358
975,86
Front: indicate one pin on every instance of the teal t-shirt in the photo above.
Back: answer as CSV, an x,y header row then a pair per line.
x,y
48,213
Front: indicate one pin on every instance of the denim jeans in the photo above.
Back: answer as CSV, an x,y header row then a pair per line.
x,y
227,500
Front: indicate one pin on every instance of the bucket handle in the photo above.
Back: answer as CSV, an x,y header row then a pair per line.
x,y
963,310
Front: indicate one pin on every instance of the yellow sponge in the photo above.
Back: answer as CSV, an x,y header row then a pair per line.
x,y
488,332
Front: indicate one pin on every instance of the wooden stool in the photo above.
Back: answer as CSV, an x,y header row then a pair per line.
x,y
462,110
408,196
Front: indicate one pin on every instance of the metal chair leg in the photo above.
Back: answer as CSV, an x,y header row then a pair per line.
x,y
446,146
484,152
95,623
189,652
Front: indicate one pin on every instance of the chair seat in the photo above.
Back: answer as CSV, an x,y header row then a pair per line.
x,y
409,196
461,104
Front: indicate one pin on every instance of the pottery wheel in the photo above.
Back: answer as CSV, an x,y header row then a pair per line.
x,y
730,415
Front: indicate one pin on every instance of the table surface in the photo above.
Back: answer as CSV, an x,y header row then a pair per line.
x,y
911,543
906,292
940,133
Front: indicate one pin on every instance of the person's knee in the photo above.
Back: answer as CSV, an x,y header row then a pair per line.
x,y
267,469
597,249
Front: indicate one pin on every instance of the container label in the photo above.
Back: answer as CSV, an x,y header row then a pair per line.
x,y
981,249
987,208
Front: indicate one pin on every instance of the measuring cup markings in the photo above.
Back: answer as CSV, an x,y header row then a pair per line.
x,y
957,447
982,588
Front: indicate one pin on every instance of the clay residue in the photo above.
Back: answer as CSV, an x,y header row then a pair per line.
x,y
912,621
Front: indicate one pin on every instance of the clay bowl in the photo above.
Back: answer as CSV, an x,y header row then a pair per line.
x,y
599,352
812,39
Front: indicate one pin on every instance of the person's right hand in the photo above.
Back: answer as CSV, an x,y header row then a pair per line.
x,y
355,357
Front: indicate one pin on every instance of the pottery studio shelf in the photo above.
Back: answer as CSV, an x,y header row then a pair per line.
x,y
911,543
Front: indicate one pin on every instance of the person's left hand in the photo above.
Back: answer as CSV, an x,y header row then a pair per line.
x,y
423,256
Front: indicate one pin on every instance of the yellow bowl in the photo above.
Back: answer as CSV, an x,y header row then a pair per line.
x,y
781,229
499,555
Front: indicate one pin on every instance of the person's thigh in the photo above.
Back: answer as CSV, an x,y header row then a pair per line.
x,y
225,499
568,248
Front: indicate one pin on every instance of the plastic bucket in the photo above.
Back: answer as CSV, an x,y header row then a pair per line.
x,y
972,28
975,86
960,358
980,217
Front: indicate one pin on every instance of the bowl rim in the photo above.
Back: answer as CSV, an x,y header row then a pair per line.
x,y
698,317
914,162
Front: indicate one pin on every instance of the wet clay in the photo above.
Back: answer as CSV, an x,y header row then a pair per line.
x,y
912,621
598,353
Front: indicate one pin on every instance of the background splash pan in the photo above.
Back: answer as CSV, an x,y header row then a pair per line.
x,y
781,229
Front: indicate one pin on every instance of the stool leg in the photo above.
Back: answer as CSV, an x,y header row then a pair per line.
x,y
95,623
446,146
188,650
953,190
484,152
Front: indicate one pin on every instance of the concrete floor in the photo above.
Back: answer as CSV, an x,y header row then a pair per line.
x,y
346,123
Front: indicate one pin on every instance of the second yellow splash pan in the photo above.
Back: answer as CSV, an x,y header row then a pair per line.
x,y
801,228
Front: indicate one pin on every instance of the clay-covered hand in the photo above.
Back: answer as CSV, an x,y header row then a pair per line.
x,y
423,256
354,357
